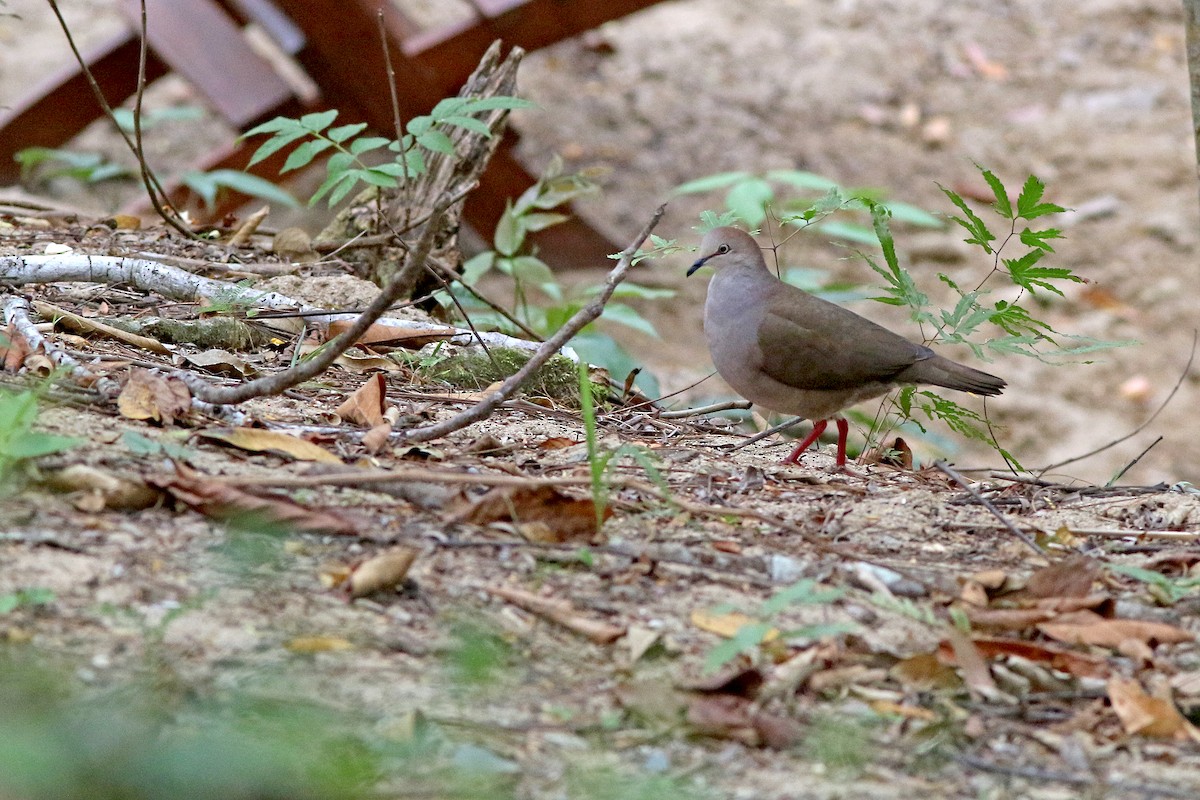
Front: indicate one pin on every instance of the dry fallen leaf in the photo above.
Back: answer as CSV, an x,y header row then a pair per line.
x,y
541,512
13,348
381,572
1080,665
1073,576
113,491
727,625
1087,627
258,440
155,397
925,672
317,644
557,443
374,439
1146,715
124,222
220,362
224,501
380,335
366,406
730,717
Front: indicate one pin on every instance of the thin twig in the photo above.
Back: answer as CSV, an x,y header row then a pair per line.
x,y
1132,463
397,123
551,346
729,405
1182,375
438,265
153,187
983,501
783,426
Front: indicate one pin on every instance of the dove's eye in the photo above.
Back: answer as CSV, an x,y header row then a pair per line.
x,y
723,249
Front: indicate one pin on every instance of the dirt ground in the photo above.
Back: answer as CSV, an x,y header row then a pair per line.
x,y
1092,97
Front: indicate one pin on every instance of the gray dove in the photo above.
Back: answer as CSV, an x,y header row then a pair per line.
x,y
793,353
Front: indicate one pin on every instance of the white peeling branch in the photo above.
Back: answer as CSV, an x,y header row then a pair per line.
x,y
17,314
186,287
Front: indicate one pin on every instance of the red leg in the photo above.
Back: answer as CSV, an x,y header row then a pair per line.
x,y
817,429
843,430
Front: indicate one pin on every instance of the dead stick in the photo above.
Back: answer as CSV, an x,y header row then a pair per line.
x,y
983,501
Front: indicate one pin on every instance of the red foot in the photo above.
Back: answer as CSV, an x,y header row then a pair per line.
x,y
843,428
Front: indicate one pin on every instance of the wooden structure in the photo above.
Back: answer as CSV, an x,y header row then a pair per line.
x,y
337,43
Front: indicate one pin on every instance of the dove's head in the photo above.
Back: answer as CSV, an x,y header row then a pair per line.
x,y
723,247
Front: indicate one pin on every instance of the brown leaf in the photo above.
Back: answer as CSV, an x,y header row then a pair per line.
x,y
13,348
557,443
1144,714
729,717
1007,619
737,680
1087,627
366,406
972,664
154,397
317,644
258,440
113,491
726,625
1079,664
223,501
374,439
381,572
220,362
380,335
561,518
924,672
1071,577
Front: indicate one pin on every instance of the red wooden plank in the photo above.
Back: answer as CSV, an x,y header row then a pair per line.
x,y
55,111
451,53
204,45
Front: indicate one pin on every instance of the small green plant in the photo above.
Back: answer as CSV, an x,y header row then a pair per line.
x,y
905,607
25,598
352,153
599,462
750,636
478,656
208,184
1166,590
44,164
20,444
599,489
751,198
514,255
